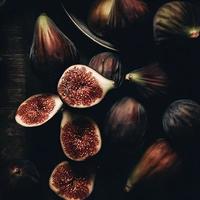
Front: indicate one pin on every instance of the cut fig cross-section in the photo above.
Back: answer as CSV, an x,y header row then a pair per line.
x,y
80,137
69,184
38,109
82,87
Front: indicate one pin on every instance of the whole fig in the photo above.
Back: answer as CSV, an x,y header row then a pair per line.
x,y
126,123
51,51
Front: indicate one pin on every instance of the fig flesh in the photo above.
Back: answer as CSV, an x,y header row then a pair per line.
x,y
51,51
38,109
80,137
82,87
108,65
70,185
157,159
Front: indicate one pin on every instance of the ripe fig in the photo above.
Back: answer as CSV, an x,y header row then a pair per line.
x,y
19,178
150,79
181,122
51,51
82,87
108,65
126,123
157,159
109,16
80,136
70,184
38,109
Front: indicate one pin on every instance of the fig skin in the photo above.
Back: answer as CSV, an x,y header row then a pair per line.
x,y
176,20
107,17
181,122
109,65
150,79
19,179
51,51
126,123
79,136
158,159
81,87
71,184
38,109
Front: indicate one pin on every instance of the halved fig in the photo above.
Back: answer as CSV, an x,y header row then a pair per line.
x,y
38,109
82,87
80,137
70,184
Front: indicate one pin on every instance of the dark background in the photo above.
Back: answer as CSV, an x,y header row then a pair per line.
x,y
180,59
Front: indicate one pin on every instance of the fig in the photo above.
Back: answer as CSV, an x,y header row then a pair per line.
x,y
71,184
19,178
150,79
38,109
82,87
108,16
181,122
80,136
51,51
126,123
158,159
108,65
177,19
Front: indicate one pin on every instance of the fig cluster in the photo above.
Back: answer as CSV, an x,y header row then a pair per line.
x,y
78,86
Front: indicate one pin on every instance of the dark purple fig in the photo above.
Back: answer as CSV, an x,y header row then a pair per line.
x,y
80,137
19,179
157,159
177,19
126,123
108,16
51,51
108,65
69,184
150,79
82,87
38,109
181,122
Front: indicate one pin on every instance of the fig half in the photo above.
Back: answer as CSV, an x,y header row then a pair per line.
x,y
80,137
82,87
38,109
69,184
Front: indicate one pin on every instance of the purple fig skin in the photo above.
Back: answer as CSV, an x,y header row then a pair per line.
x,y
157,159
181,122
108,65
51,51
18,179
108,16
126,123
